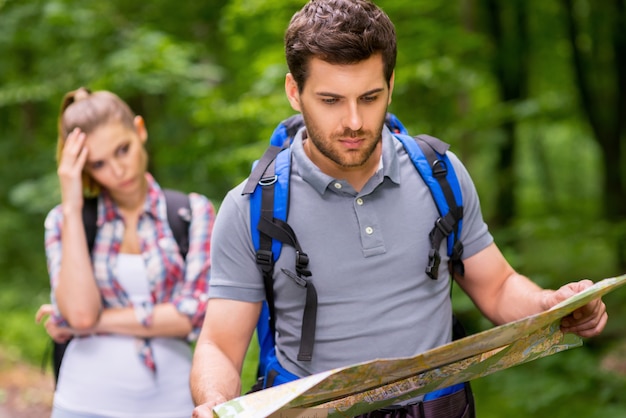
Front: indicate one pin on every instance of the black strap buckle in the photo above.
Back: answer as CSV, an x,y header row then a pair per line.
x,y
264,257
268,181
434,259
457,250
439,168
456,264
444,226
302,262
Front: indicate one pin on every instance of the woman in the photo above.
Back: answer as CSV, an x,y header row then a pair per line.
x,y
132,304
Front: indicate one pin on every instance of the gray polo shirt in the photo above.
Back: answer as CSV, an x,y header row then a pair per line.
x,y
368,253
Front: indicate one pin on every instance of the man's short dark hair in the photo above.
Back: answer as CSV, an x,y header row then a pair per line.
x,y
339,32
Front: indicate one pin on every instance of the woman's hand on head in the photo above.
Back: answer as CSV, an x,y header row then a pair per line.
x,y
71,166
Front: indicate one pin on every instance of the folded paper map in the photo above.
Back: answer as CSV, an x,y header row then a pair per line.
x,y
364,387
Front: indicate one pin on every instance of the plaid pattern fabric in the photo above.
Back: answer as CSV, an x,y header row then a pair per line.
x,y
183,283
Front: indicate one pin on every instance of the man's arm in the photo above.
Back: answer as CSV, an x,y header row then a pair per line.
x,y
220,352
503,295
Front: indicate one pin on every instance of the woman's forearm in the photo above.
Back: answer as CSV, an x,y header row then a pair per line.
x,y
167,321
77,293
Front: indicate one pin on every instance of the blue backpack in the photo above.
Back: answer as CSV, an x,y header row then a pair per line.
x,y
268,187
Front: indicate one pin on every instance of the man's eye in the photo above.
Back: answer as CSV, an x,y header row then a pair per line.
x,y
369,99
330,100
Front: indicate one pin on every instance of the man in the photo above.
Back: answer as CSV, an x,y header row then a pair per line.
x,y
363,214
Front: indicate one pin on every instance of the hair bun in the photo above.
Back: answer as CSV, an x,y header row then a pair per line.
x,y
81,93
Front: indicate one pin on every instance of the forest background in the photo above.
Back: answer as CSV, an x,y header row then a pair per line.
x,y
531,95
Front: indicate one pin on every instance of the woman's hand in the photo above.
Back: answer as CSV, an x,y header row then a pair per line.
x,y
70,169
57,333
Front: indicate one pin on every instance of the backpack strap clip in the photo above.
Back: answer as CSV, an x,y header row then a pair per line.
x,y
440,169
268,181
456,264
434,259
264,257
309,318
443,225
302,262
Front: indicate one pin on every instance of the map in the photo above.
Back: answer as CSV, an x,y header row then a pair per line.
x,y
364,387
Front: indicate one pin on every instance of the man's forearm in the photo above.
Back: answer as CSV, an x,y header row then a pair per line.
x,y
214,379
520,298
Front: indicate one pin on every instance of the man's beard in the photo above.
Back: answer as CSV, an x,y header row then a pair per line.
x,y
347,159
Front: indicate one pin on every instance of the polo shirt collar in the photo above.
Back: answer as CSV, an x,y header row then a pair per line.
x,y
320,181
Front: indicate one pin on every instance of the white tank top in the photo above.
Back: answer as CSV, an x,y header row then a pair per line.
x,y
104,375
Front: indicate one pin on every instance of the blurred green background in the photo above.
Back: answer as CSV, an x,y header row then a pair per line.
x,y
531,95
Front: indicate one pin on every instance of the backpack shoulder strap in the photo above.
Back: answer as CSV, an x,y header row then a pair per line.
x,y
179,217
90,218
281,139
269,230
268,187
428,154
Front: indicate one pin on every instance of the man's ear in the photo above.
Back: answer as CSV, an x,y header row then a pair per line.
x,y
293,94
391,80
140,127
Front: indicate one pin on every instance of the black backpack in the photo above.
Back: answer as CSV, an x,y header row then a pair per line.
x,y
178,211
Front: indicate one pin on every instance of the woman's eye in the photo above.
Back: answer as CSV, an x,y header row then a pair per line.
x,y
123,149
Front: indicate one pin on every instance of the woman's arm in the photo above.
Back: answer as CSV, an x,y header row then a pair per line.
x,y
183,313
75,289
166,321
192,299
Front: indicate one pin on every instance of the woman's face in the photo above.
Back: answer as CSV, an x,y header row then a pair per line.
x,y
116,157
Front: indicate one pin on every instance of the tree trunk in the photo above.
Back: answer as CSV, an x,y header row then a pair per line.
x,y
508,28
601,82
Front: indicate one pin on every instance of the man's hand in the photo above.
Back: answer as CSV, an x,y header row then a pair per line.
x,y
586,321
205,410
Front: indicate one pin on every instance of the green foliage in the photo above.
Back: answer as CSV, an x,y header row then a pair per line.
x,y
208,78
572,384
249,373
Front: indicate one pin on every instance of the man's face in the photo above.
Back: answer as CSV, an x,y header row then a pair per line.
x,y
344,109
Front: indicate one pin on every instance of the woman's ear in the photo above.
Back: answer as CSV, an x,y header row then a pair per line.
x,y
140,127
293,94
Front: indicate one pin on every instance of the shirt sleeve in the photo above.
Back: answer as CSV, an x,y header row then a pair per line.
x,y
193,298
235,274
52,242
475,234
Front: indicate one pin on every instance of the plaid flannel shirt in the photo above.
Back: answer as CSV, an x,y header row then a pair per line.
x,y
183,283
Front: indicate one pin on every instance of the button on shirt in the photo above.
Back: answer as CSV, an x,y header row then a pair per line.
x,y
368,252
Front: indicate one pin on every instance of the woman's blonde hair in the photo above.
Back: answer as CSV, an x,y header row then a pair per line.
x,y
87,111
